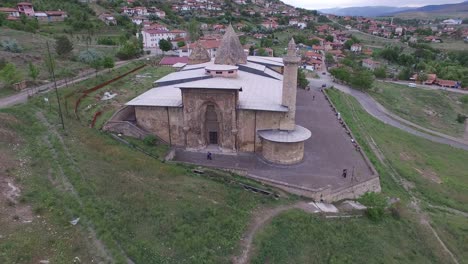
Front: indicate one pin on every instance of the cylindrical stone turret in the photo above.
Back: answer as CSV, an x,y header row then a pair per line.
x,y
291,63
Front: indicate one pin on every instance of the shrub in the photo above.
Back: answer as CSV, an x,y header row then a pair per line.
x,y
11,46
150,140
106,41
461,118
375,205
464,99
89,56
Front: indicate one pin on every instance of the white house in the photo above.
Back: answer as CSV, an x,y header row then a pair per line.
x,y
151,37
356,48
452,22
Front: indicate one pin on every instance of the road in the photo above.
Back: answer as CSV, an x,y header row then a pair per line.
x,y
22,97
378,111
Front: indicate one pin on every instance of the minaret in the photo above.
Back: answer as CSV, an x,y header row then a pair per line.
x,y
291,63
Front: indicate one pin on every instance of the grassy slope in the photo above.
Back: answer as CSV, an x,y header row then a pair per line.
x,y
295,237
156,212
415,105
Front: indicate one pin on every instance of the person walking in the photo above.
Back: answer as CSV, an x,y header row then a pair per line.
x,y
209,156
345,172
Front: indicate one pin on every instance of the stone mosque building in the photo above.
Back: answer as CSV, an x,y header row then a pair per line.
x,y
234,102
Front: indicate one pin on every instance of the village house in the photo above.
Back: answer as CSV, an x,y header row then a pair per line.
x,y
25,8
108,19
11,13
356,48
151,37
210,45
28,10
270,24
370,64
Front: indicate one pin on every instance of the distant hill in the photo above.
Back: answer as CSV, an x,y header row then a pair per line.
x,y
449,10
366,11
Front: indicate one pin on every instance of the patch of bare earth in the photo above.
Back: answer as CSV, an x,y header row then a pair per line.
x,y
13,212
430,175
405,156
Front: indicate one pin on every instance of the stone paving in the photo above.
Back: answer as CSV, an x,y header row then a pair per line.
x,y
327,152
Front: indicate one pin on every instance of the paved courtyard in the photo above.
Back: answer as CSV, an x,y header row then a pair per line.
x,y
327,152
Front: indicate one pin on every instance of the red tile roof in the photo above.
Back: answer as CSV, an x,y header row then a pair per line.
x,y
173,60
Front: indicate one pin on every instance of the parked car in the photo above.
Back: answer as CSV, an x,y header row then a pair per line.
x,y
324,86
413,85
323,73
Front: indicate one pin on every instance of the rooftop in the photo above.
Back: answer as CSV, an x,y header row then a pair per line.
x,y
261,86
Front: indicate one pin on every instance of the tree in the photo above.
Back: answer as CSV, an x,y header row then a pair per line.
x,y
404,74
380,73
261,52
108,62
362,80
329,38
97,64
329,60
10,75
251,50
63,46
33,71
422,77
3,18
341,73
129,50
180,44
165,45
302,81
193,29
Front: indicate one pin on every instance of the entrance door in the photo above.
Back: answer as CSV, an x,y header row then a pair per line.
x,y
211,125
213,137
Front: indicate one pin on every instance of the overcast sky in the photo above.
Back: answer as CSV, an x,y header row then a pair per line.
x,y
320,4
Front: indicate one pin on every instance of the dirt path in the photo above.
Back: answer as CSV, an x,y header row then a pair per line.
x,y
260,219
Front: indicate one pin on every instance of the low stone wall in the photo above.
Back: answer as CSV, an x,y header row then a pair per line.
x,y
355,191
283,153
119,123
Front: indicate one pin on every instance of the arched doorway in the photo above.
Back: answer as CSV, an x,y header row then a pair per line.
x,y
211,125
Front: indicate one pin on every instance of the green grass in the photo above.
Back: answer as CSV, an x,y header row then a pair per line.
x,y
377,42
450,45
126,89
418,160
297,237
155,212
436,110
4,92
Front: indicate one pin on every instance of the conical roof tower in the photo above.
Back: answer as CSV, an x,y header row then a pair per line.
x,y
230,51
199,54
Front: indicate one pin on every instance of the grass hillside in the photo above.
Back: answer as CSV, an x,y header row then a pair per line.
x,y
436,110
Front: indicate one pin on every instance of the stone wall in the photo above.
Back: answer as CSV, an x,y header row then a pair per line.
x,y
249,122
176,119
283,153
154,120
195,102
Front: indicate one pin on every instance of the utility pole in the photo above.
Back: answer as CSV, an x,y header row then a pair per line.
x,y
52,71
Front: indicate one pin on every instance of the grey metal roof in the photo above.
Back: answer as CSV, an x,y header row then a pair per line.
x,y
299,134
261,87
